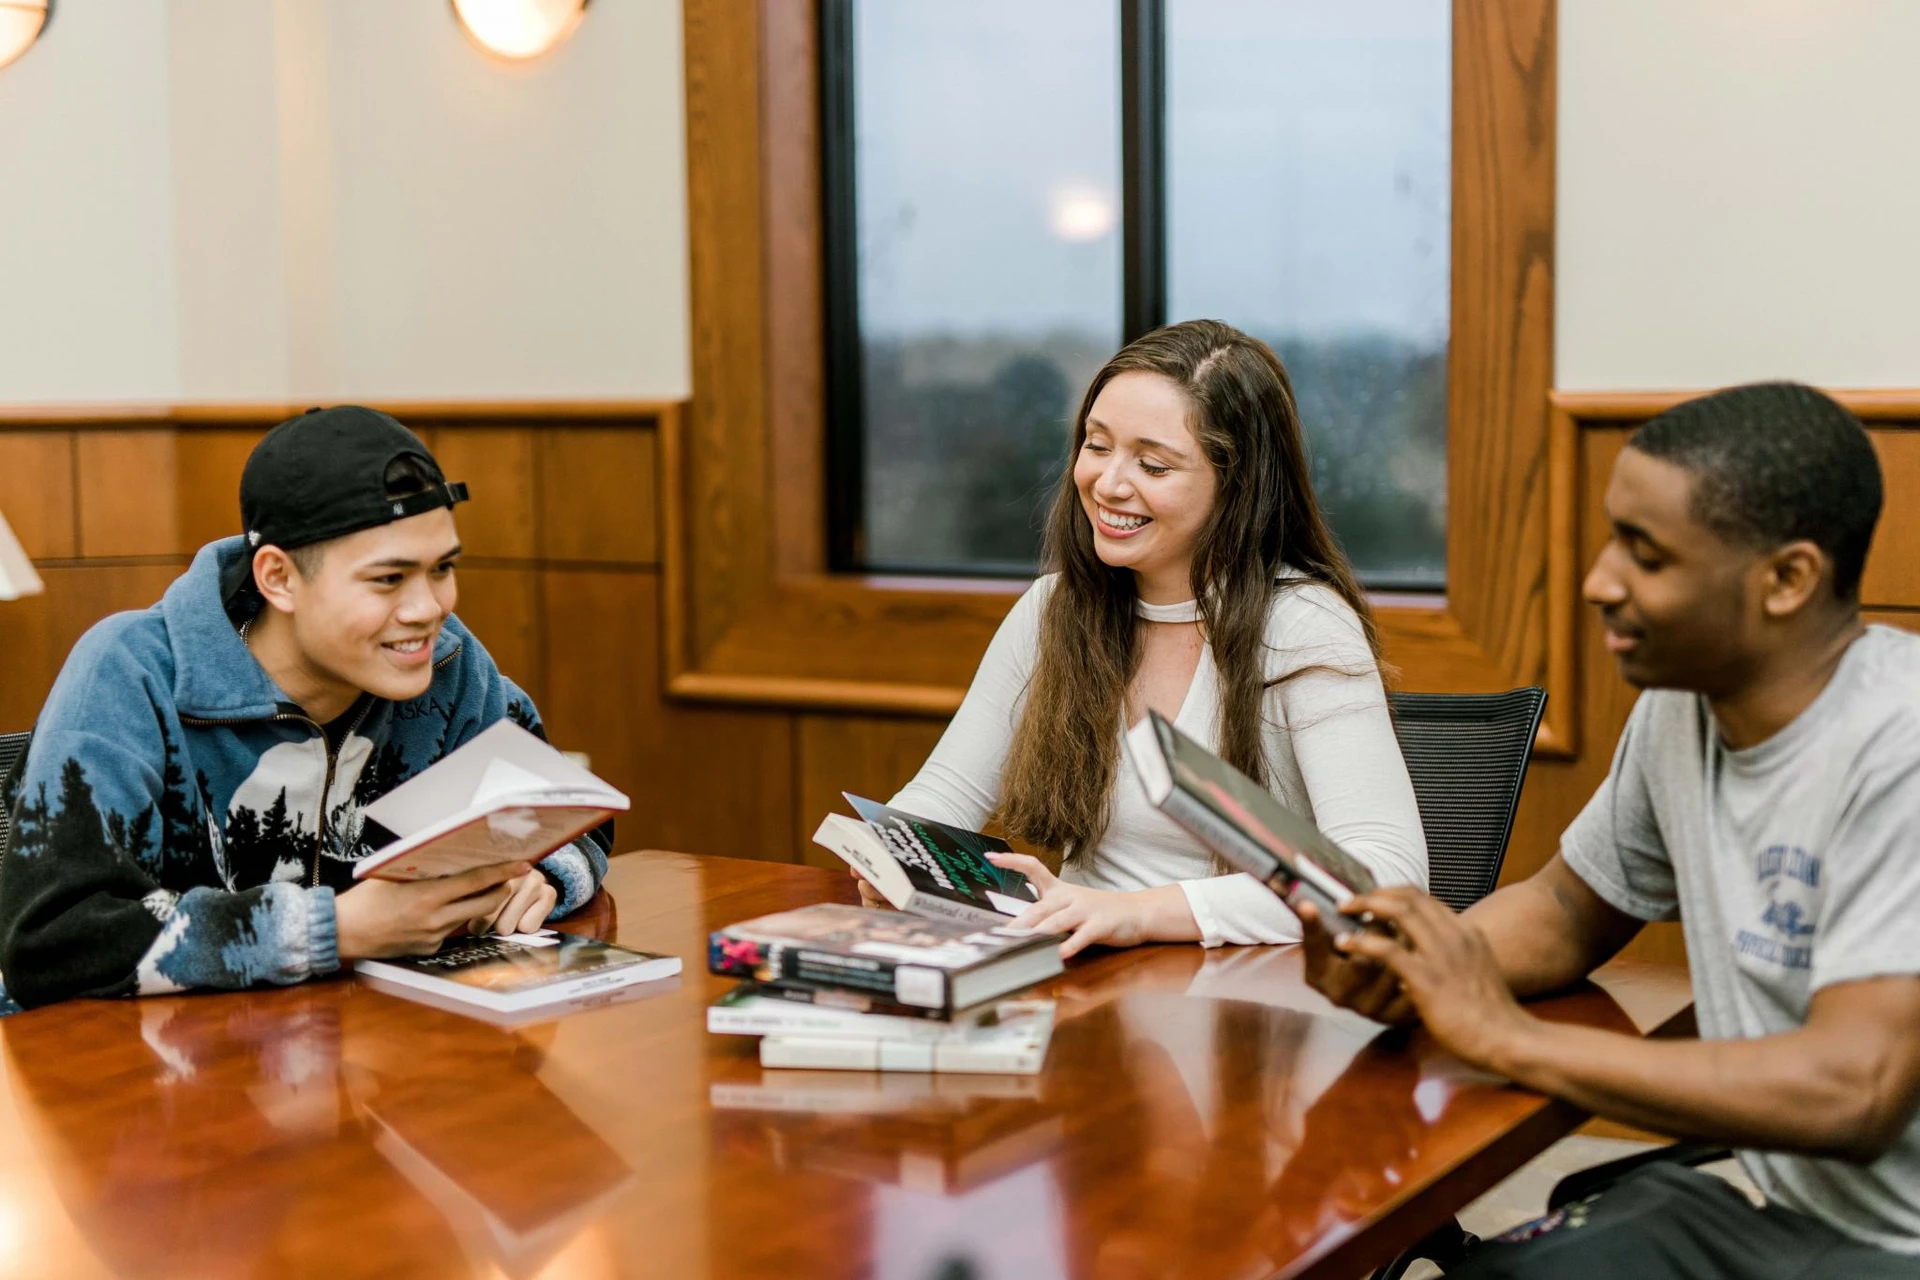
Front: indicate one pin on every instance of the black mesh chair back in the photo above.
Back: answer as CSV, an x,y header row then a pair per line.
x,y
1467,754
13,755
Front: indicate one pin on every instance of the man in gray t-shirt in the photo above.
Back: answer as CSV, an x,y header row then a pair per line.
x,y
1766,793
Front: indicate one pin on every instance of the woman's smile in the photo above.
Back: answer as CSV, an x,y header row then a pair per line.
x,y
1119,524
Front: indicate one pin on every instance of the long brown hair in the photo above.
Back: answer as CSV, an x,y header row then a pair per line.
x,y
1057,788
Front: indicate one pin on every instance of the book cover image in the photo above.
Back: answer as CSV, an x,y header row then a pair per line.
x,y
936,855
507,967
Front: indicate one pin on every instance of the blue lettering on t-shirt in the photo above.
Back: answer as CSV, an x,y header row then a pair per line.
x,y
1788,860
1752,944
1786,917
1792,879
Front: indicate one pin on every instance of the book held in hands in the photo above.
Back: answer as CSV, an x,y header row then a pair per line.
x,y
504,796
518,972
1241,821
942,965
925,867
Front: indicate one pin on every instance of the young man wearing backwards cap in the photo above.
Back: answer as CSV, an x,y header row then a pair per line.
x,y
188,814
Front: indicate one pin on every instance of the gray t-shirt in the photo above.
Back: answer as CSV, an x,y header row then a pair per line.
x,y
1792,865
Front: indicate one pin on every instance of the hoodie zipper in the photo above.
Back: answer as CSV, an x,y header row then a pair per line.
x,y
320,819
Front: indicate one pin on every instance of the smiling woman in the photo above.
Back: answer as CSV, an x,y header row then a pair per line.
x,y
1144,484
1192,574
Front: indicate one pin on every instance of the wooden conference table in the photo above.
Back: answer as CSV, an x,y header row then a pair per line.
x,y
1201,1114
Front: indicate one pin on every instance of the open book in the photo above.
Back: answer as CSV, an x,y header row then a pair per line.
x,y
1240,820
502,797
926,867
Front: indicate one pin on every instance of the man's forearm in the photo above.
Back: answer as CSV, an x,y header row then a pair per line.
x,y
1776,1093
1549,931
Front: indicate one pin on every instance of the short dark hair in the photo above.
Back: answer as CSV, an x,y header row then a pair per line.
x,y
405,476
1776,462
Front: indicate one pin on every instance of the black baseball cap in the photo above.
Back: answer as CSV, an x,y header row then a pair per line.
x,y
331,472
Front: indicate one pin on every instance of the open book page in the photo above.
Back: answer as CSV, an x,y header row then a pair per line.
x,y
503,796
503,759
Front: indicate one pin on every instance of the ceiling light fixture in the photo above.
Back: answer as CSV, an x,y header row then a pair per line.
x,y
518,29
21,23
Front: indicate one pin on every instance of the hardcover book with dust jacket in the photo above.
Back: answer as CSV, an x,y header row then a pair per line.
x,y
942,965
1240,820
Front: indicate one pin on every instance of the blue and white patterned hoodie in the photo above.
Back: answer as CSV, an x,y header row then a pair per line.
x,y
179,823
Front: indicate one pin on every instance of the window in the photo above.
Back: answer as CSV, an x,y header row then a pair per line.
x,y
1289,173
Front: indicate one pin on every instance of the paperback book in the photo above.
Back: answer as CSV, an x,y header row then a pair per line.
x,y
1011,1039
839,1001
926,867
753,1010
942,965
519,972
505,796
1240,820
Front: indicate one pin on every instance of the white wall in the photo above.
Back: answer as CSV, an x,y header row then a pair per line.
x,y
210,200
87,298
1739,193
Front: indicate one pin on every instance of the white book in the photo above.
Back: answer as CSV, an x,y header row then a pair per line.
x,y
745,1011
505,796
1014,1043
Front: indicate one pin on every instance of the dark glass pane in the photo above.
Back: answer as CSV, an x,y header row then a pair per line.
x,y
986,178
1308,191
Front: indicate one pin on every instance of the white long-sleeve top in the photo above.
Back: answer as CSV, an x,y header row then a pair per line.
x,y
1331,756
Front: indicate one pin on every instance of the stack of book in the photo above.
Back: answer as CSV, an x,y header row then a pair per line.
x,y
926,987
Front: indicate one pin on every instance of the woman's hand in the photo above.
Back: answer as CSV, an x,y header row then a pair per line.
x,y
869,896
1114,917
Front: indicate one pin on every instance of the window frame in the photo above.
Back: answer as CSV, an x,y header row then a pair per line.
x,y
1144,257
1143,252
753,610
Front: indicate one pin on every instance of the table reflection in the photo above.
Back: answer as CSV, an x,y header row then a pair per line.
x,y
1201,1113
252,1118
